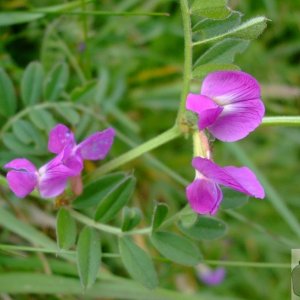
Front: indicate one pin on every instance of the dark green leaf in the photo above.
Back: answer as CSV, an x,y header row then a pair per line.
x,y
131,218
8,101
201,71
176,248
42,119
56,81
65,229
205,228
187,216
159,215
233,199
12,18
214,9
68,114
96,191
85,93
114,201
138,263
32,84
222,52
88,256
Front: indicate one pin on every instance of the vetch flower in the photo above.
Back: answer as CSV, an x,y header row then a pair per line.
x,y
204,193
229,105
210,276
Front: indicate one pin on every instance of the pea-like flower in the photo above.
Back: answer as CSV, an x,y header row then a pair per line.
x,y
204,193
52,178
210,276
229,105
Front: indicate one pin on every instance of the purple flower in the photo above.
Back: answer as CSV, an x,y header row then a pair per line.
x,y
210,276
204,193
229,105
51,179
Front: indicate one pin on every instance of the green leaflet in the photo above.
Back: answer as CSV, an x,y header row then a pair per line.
x,y
214,9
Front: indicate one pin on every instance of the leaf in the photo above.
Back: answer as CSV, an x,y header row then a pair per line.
x,y
159,214
88,256
131,218
42,119
187,216
68,114
205,228
56,81
138,263
65,229
12,18
94,192
201,71
8,101
84,93
209,27
176,248
114,201
32,83
214,9
223,52
233,199
248,30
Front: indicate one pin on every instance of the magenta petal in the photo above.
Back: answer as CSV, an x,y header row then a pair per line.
x,y
240,179
210,276
21,183
227,87
237,120
59,137
204,196
52,186
97,145
21,164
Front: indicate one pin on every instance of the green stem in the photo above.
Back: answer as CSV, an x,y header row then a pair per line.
x,y
106,228
188,59
282,120
159,140
247,264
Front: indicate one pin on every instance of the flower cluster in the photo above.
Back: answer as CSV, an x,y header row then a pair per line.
x,y
229,106
51,179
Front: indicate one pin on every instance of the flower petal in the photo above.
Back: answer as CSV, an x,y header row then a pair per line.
x,y
21,164
21,183
227,87
52,186
210,276
205,107
97,145
237,120
240,179
204,196
59,137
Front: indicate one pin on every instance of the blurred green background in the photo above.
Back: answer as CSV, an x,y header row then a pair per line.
x,y
139,63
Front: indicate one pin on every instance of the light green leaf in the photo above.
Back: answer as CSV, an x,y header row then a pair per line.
x,y
233,199
88,256
201,71
209,27
12,18
113,203
205,228
65,229
8,101
222,52
214,9
68,114
159,215
85,93
42,119
248,30
138,263
32,84
187,216
176,248
56,81
131,218
96,191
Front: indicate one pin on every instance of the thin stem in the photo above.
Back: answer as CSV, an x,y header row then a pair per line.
x,y
188,59
247,264
106,228
282,120
159,140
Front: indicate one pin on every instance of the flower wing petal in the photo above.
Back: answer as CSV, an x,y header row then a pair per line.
x,y
227,87
97,145
240,179
204,196
21,164
59,137
237,120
